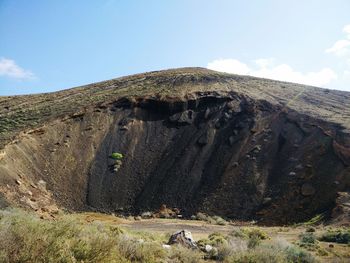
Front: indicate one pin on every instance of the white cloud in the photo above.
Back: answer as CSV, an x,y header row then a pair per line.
x,y
341,47
346,30
265,68
9,68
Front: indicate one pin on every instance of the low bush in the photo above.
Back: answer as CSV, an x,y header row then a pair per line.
x,y
341,236
271,253
247,233
219,220
215,239
215,220
308,241
295,254
179,254
308,238
24,237
253,241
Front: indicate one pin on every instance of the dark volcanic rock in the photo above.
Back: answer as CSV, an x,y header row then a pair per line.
x,y
183,238
193,139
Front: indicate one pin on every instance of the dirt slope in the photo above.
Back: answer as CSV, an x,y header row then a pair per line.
x,y
195,139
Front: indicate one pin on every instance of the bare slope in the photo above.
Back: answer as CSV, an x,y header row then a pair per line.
x,y
192,138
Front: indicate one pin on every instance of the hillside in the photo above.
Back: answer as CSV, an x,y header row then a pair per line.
x,y
235,146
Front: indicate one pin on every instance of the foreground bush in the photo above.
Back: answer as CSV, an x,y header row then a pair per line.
x,y
26,238
271,254
246,246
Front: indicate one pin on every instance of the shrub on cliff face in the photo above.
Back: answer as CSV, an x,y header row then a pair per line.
x,y
118,163
117,156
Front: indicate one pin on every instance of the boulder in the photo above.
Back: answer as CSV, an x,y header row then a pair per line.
x,y
183,238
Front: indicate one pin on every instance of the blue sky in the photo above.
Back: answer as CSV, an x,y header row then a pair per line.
x,y
51,45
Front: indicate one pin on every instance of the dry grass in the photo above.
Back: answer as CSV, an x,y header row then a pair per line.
x,y
74,238
26,238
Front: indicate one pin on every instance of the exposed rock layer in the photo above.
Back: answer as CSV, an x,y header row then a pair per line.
x,y
227,153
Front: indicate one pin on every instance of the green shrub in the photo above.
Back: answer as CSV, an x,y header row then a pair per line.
x,y
24,237
238,233
253,241
308,241
247,233
216,238
217,220
271,253
179,254
307,238
297,255
201,216
117,156
341,236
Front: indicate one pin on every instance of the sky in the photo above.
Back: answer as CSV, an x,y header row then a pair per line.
x,y
48,45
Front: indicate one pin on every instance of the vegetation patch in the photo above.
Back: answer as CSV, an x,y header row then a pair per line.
x,y
247,233
309,242
341,236
236,247
215,220
118,160
24,237
117,156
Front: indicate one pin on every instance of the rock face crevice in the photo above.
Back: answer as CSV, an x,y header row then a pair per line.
x,y
223,153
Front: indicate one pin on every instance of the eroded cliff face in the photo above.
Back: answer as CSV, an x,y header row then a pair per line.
x,y
225,155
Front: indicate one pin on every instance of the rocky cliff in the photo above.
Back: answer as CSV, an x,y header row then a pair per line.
x,y
195,139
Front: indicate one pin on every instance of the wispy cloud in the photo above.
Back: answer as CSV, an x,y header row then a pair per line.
x,y
341,47
9,68
266,68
